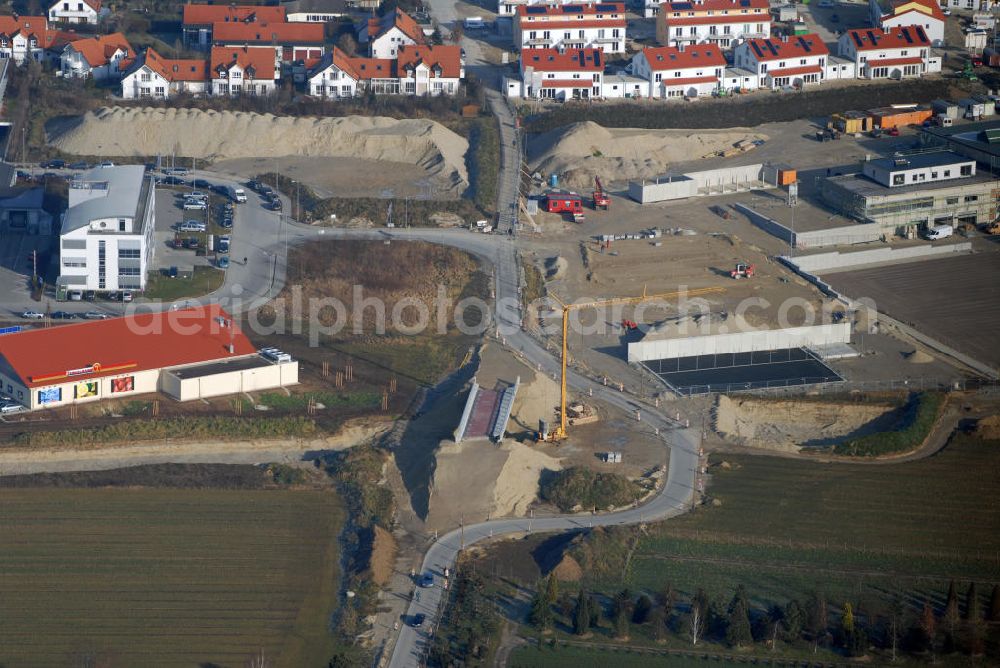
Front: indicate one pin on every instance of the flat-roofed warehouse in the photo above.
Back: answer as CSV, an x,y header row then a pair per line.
x,y
187,354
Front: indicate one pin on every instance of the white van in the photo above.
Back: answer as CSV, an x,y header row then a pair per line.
x,y
240,195
938,232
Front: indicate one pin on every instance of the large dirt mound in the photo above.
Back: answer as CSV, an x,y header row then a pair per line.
x,y
786,425
213,135
580,151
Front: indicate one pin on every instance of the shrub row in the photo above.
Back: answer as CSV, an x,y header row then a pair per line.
x,y
187,427
918,419
484,145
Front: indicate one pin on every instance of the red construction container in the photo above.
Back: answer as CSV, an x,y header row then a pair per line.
x,y
888,117
786,177
563,203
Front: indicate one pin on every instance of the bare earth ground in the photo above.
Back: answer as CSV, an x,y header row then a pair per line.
x,y
958,306
788,425
347,177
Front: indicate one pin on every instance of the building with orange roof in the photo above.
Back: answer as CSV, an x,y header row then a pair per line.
x,y
897,53
24,37
187,354
555,74
572,26
198,20
77,11
430,70
382,36
796,61
244,70
927,14
722,22
153,76
102,57
289,42
671,71
333,76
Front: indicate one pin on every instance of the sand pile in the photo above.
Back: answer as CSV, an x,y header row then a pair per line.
x,y
517,485
212,135
988,428
786,425
383,557
463,483
919,357
580,151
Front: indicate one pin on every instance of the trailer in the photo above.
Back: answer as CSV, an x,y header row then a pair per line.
x,y
561,202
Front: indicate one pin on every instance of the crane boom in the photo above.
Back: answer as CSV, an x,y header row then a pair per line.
x,y
560,431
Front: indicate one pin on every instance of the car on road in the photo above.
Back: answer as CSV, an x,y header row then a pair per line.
x,y
32,315
95,315
222,262
62,315
427,580
418,620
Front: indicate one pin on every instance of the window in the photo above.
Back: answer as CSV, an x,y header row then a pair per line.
x,y
934,175
658,77
971,198
144,76
951,201
947,173
898,179
128,271
966,170
160,92
128,253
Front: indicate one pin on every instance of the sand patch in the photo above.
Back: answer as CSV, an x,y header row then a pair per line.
x,y
787,425
517,485
462,487
988,428
212,135
919,357
581,151
383,556
568,570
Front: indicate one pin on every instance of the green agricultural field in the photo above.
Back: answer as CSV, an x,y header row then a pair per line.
x,y
785,527
151,577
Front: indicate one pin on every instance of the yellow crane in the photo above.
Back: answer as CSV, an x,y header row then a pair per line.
x,y
560,432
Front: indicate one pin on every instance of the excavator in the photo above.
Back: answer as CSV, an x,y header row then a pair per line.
x,y
601,199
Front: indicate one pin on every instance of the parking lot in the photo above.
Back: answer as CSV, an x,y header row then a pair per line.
x,y
169,214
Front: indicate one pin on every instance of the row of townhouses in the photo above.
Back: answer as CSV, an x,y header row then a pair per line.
x,y
692,71
249,48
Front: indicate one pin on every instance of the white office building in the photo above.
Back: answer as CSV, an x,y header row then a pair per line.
x,y
106,239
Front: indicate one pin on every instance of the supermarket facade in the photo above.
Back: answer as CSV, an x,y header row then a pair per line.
x,y
186,354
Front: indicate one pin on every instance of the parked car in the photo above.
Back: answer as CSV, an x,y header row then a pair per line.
x,y
418,620
79,165
173,181
226,224
191,244
21,174
62,315
202,183
124,296
32,315
172,272
9,407
192,226
176,171
107,163
427,580
96,315
88,295
196,194
222,262
53,164
194,205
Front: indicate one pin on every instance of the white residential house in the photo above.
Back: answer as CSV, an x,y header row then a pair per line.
x,y
382,37
77,11
430,70
790,61
927,14
23,38
721,22
247,70
559,75
334,76
578,26
153,76
968,5
508,8
103,57
691,71
899,53
106,238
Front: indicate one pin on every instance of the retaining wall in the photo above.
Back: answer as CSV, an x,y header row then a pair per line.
x,y
722,181
740,342
836,260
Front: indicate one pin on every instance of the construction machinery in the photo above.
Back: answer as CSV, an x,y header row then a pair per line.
x,y
743,270
559,433
601,199
629,325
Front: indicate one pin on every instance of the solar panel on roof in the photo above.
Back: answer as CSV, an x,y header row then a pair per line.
x,y
607,8
992,135
572,9
681,5
535,9
744,3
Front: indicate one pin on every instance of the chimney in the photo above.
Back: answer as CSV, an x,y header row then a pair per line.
x,y
231,348
680,47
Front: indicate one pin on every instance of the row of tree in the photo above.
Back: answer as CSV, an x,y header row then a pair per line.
x,y
852,629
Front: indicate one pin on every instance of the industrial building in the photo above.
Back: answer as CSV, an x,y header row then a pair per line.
x,y
106,238
980,141
187,354
907,193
